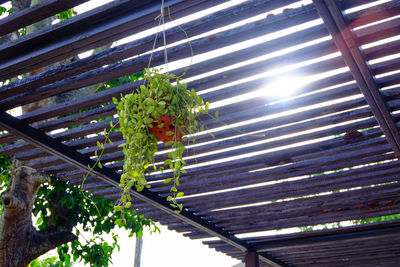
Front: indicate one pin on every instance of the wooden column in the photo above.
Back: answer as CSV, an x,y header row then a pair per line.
x,y
251,259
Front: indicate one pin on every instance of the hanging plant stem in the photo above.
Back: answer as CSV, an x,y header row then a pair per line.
x,y
157,108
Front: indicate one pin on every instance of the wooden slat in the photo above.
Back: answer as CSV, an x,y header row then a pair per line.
x,y
113,21
373,14
35,13
133,65
137,47
362,233
353,57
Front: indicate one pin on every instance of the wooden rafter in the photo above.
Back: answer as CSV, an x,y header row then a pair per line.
x,y
83,162
347,44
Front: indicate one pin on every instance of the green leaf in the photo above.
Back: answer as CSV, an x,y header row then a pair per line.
x,y
99,145
169,143
216,114
115,100
169,133
180,194
169,198
168,180
118,221
117,208
128,205
148,120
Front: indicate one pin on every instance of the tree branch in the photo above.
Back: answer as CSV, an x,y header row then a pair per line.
x,y
44,241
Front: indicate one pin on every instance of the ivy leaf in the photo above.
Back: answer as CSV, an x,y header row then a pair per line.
x,y
169,143
180,194
148,120
168,180
99,145
117,208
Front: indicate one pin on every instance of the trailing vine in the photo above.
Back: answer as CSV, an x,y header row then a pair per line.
x,y
158,106
157,110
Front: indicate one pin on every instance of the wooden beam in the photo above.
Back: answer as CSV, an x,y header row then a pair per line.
x,y
94,28
34,14
360,236
108,175
251,259
347,44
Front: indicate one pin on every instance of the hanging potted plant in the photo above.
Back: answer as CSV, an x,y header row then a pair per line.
x,y
158,111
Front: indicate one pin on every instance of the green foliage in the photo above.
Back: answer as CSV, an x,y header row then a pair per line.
x,y
121,80
48,262
106,86
66,14
377,219
59,204
2,10
138,113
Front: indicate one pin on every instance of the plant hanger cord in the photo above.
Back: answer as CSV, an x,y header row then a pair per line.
x,y
164,38
161,20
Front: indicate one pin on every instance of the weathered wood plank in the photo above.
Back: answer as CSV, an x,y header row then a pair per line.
x,y
200,159
312,185
348,200
377,32
35,13
225,113
116,20
133,65
77,132
348,45
218,181
73,120
112,55
380,12
360,235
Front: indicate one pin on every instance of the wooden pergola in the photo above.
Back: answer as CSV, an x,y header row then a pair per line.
x,y
323,155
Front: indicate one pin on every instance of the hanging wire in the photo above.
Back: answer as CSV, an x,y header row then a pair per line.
x,y
165,39
160,21
155,42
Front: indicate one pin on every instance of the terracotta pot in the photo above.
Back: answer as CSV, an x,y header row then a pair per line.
x,y
160,133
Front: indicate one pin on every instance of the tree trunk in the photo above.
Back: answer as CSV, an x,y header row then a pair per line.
x,y
20,243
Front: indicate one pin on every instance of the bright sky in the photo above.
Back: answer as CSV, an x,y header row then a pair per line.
x,y
167,249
